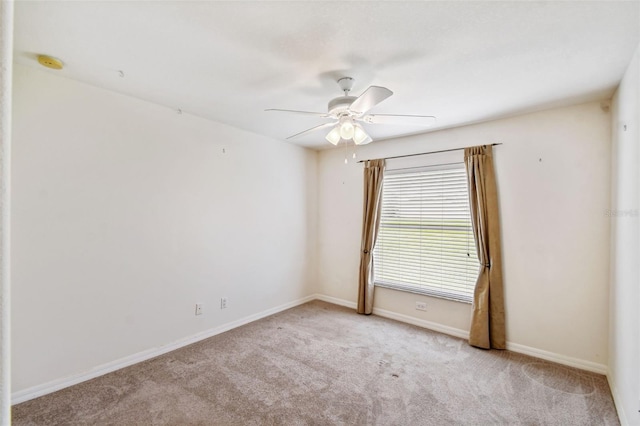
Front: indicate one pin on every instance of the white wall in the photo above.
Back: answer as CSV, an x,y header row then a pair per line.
x,y
553,176
126,214
6,70
624,349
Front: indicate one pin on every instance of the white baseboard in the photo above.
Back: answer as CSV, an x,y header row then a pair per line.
x,y
399,317
582,364
336,301
452,331
55,385
617,401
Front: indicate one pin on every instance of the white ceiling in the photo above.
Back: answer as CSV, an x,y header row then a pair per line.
x,y
463,62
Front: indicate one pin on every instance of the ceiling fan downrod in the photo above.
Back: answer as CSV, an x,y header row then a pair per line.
x,y
346,84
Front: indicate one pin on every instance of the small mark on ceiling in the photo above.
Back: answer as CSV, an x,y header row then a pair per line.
x,y
50,62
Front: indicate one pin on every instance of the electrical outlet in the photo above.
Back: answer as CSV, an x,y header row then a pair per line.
x,y
223,303
421,306
198,309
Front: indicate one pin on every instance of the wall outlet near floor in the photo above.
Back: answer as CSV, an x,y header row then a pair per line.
x,y
421,306
198,308
223,303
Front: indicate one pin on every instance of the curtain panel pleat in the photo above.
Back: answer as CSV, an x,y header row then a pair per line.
x,y
488,319
373,175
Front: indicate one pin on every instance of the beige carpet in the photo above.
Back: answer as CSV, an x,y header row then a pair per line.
x,y
320,364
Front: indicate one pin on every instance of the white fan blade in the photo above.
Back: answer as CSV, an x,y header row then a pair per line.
x,y
411,120
370,98
317,114
313,129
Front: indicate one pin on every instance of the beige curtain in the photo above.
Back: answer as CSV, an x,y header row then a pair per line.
x,y
487,323
373,173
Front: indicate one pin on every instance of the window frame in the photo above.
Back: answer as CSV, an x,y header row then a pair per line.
x,y
417,167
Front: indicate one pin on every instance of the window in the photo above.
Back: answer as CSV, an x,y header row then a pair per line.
x,y
425,241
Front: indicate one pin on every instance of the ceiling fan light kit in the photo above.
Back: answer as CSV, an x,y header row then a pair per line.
x,y
360,137
349,111
346,128
334,136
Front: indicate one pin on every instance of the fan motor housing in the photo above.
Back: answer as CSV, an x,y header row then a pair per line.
x,y
341,104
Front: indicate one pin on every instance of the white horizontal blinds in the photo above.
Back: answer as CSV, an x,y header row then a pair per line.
x,y
425,242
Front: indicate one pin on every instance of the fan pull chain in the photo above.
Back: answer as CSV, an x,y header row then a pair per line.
x,y
346,152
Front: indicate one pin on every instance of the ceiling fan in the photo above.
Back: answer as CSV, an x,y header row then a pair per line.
x,y
347,112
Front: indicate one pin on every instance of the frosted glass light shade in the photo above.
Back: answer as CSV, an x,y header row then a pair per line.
x,y
360,137
334,135
346,129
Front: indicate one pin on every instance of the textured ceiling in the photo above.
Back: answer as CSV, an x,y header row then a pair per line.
x,y
463,62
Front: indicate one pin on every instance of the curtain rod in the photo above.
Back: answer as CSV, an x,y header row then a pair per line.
x,y
425,153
